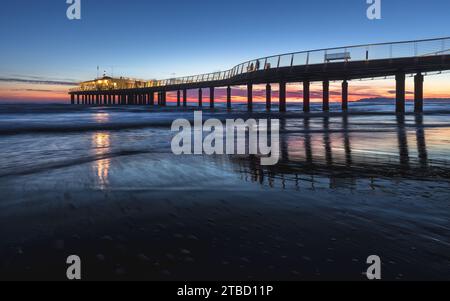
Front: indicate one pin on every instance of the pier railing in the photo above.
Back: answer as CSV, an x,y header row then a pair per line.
x,y
368,52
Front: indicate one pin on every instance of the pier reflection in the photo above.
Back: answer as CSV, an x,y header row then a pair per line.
x,y
101,146
421,142
335,152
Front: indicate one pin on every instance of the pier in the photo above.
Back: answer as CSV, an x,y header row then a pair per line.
x,y
343,64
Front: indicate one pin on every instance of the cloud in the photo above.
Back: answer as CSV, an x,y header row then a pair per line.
x,y
395,92
38,81
33,90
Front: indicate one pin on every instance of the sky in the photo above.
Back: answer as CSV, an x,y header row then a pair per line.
x,y
43,53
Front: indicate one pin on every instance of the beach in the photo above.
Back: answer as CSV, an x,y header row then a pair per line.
x,y
102,183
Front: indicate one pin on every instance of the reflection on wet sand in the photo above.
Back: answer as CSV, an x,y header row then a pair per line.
x,y
101,145
421,142
334,150
402,142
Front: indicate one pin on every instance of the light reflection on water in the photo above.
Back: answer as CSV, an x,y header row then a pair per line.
x,y
101,142
101,117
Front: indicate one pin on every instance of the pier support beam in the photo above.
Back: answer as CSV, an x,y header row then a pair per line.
x,y
345,95
306,96
250,97
200,98
97,99
184,98
268,97
283,96
211,97
229,98
152,98
164,98
78,99
326,96
178,98
418,93
72,99
400,80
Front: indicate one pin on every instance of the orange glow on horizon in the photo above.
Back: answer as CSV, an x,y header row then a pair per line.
x,y
435,86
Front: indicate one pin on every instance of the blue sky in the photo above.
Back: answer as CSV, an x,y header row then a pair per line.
x,y
158,38
161,39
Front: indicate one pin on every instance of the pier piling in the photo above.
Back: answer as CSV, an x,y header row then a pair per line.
x,y
229,98
268,97
306,96
400,79
326,96
250,97
418,93
282,96
211,97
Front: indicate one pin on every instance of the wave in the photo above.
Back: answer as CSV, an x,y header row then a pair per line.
x,y
68,163
80,128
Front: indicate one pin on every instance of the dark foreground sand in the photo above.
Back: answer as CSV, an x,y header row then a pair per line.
x,y
133,211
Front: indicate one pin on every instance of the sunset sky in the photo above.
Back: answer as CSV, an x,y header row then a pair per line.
x,y
43,54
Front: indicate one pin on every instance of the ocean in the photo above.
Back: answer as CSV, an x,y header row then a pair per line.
x,y
103,183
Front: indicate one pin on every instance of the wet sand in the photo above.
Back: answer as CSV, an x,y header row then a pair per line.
x,y
346,188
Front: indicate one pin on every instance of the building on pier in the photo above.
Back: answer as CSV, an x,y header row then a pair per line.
x,y
106,83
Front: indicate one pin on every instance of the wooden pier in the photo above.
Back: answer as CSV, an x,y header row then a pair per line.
x,y
343,64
